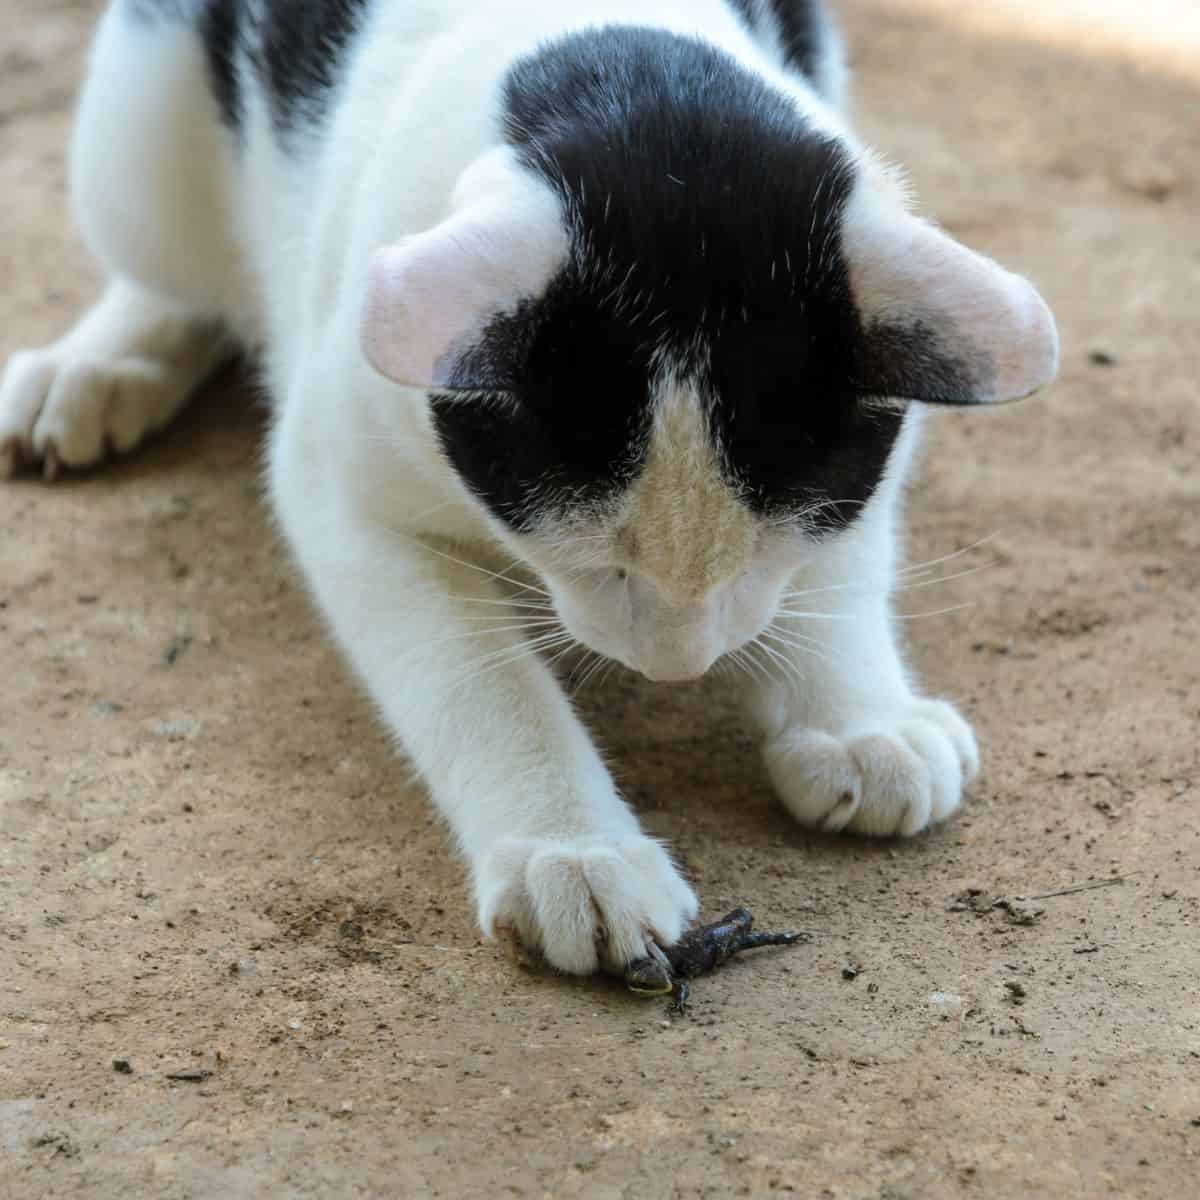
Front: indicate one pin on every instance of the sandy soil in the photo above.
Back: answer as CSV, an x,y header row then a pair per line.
x,y
210,860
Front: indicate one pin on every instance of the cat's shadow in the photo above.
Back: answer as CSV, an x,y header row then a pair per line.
x,y
689,760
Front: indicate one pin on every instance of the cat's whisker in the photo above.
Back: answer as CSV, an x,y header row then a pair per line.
x,y
584,665
461,562
904,584
533,649
602,541
422,516
820,591
507,630
811,510
524,643
733,666
614,665
571,645
799,643
924,583
937,612
945,558
604,667
788,668
798,516
524,648
793,614
593,665
519,563
588,564
746,660
515,621
794,635
528,605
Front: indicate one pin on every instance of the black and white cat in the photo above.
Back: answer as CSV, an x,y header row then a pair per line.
x,y
603,296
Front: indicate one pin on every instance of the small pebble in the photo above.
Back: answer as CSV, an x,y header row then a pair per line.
x,y
122,1066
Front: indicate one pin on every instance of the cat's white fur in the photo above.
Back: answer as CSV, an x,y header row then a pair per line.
x,y
407,567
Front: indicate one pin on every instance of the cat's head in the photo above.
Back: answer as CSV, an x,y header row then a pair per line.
x,y
670,345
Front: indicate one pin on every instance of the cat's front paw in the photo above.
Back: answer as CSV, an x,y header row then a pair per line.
x,y
892,775
584,902
59,410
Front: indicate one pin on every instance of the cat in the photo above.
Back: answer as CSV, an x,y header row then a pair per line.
x,y
589,323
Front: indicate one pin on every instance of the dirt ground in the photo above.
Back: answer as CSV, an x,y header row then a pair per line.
x,y
211,861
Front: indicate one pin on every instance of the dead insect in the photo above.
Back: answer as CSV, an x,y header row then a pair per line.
x,y
667,970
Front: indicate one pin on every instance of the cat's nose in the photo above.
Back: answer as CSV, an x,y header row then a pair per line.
x,y
672,640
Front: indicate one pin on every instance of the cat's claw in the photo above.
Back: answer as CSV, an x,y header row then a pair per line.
x,y
584,903
888,777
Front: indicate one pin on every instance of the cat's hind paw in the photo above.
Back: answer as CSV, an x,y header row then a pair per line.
x,y
583,903
892,776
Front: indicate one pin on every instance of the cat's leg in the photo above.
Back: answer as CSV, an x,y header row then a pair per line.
x,y
554,853
151,181
850,742
123,372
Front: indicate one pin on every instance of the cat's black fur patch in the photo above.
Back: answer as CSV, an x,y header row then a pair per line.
x,y
706,221
298,49
802,27
294,48
220,24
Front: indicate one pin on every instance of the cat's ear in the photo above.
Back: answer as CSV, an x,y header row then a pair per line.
x,y
942,324
431,296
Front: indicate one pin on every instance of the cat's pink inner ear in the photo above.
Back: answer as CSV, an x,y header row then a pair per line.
x,y
419,305
907,274
430,296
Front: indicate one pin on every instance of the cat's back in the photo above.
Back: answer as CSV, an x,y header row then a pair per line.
x,y
288,66
348,122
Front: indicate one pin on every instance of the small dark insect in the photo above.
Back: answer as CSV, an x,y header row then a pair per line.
x,y
666,971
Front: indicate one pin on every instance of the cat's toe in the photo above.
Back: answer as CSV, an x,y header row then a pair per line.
x,y
583,903
24,385
892,776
